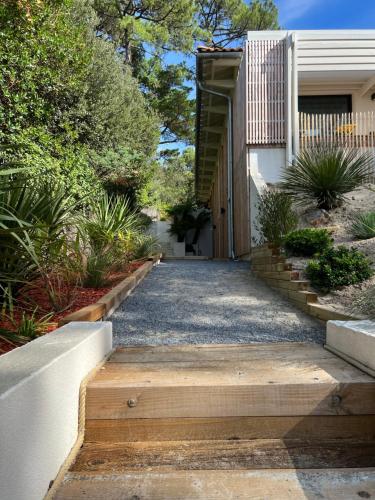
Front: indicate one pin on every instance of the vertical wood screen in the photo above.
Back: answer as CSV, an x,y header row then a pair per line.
x,y
240,170
266,91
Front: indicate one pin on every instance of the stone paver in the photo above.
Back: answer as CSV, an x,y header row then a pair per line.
x,y
204,302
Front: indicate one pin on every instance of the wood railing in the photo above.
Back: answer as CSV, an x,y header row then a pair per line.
x,y
345,130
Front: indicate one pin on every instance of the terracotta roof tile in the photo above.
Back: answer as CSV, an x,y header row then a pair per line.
x,y
202,49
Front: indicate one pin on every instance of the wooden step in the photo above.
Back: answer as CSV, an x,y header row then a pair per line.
x,y
180,429
337,484
272,381
224,455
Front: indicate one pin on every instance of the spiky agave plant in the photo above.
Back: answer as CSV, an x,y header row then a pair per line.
x,y
323,175
363,226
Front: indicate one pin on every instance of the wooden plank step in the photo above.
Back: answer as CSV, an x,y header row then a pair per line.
x,y
291,381
220,352
224,455
336,484
178,429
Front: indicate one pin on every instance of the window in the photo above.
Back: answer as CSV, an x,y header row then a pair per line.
x,y
325,104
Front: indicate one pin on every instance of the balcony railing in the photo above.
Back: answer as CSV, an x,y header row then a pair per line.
x,y
346,130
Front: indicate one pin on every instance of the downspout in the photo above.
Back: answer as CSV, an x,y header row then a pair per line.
x,y
230,165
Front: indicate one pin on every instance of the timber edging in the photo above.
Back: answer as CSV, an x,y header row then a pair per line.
x,y
107,304
268,264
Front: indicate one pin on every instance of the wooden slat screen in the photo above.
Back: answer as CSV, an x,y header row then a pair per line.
x,y
266,91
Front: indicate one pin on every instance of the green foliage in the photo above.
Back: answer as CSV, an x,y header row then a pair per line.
x,y
363,226
144,31
228,21
307,242
167,92
112,234
276,216
337,267
324,175
33,218
67,101
145,245
173,181
27,328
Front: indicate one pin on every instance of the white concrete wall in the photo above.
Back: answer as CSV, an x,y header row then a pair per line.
x,y
168,242
267,163
39,389
354,341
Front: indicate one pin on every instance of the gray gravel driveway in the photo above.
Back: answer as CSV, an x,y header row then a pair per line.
x,y
207,302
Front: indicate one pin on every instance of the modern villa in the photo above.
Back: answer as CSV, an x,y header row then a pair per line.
x,y
259,105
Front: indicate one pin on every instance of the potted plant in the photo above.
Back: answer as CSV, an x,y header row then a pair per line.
x,y
182,221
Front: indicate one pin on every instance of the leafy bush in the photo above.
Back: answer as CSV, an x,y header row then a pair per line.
x,y
363,227
337,267
276,216
307,242
324,174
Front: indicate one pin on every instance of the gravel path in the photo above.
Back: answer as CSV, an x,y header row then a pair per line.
x,y
206,302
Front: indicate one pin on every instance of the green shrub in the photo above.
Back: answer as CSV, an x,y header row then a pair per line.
x,y
337,267
307,242
276,216
363,227
324,175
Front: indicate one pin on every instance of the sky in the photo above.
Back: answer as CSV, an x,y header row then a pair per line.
x,y
326,14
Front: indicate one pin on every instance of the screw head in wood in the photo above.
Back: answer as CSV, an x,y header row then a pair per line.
x,y
132,403
336,400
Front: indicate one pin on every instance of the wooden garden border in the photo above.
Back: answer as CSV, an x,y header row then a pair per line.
x,y
272,268
107,304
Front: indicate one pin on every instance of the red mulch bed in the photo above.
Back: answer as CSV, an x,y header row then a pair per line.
x,y
82,297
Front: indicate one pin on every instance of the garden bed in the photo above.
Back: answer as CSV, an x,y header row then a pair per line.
x,y
89,304
338,222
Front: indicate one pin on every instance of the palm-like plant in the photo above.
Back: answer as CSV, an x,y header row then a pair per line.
x,y
33,222
108,234
324,175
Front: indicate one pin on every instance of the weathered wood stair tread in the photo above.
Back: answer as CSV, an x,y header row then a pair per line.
x,y
225,381
224,454
334,484
272,421
180,429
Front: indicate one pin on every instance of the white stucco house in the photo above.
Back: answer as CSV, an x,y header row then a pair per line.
x,y
259,105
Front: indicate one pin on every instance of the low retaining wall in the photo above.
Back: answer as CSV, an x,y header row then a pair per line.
x,y
354,341
39,404
271,267
107,304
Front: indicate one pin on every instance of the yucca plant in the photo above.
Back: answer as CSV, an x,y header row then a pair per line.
x,y
363,226
323,175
